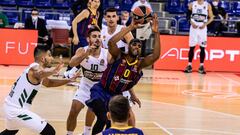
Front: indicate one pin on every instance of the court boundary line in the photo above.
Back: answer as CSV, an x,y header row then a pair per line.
x,y
228,79
162,128
203,130
191,107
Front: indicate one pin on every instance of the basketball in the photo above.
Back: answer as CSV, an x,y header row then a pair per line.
x,y
142,12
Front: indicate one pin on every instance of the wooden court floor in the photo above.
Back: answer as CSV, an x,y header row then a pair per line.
x,y
173,103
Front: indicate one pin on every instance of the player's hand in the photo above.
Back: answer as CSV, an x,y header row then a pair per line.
x,y
155,23
75,76
57,69
203,26
135,100
75,40
137,23
194,25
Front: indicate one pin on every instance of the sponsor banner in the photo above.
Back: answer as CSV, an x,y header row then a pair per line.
x,y
17,46
222,54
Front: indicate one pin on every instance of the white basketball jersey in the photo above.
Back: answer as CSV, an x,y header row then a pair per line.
x,y
23,91
199,13
92,69
106,37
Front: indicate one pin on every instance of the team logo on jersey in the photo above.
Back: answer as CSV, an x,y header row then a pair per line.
x,y
87,59
204,7
116,78
104,37
102,62
123,62
135,68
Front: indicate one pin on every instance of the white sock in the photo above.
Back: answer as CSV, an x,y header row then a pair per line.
x,y
87,130
69,132
189,63
201,64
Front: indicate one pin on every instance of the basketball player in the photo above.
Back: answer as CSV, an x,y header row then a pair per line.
x,y
123,72
19,100
107,33
119,113
80,26
200,11
112,28
93,60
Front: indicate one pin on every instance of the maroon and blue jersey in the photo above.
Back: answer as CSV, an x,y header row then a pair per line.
x,y
121,75
84,26
123,131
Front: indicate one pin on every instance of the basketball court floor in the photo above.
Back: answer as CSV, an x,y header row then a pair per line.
x,y
173,103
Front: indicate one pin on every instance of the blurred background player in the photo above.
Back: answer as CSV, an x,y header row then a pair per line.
x,y
200,11
123,72
19,100
93,61
119,113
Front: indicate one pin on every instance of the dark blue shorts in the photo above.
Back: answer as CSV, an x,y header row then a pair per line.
x,y
98,94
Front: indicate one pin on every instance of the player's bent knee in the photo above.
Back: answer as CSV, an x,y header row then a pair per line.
x,y
48,130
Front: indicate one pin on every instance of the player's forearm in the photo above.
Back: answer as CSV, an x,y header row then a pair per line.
x,y
117,37
76,60
44,73
74,28
132,93
56,83
157,46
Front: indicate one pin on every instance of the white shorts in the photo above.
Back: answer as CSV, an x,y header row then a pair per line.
x,y
128,96
16,118
82,95
198,36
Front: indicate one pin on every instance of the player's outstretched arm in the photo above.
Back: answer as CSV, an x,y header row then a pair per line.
x,y
150,59
112,43
56,82
38,73
79,56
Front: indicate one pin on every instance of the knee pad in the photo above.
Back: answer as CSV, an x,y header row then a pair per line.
x,y
48,130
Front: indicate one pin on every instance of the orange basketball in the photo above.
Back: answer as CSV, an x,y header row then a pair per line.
x,y
141,12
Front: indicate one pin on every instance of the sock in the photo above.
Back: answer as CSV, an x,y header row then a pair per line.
x,y
87,130
189,63
69,132
201,64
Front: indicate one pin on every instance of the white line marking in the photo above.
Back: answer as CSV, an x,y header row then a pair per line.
x,y
161,127
209,131
190,107
228,79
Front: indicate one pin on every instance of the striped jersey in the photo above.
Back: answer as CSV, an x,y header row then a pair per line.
x,y
106,37
23,91
199,12
84,25
123,131
92,69
121,75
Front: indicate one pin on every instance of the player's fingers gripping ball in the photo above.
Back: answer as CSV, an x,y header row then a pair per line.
x,y
142,14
